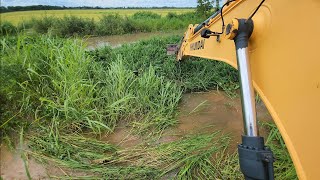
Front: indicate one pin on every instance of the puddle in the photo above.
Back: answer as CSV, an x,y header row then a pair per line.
x,y
122,137
12,166
213,111
199,112
118,40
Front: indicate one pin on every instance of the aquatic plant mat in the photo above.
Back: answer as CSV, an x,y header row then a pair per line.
x,y
65,99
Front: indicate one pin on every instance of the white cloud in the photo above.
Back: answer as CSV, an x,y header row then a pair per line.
x,y
103,3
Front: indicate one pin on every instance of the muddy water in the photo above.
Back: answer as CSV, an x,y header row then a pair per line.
x,y
199,112
117,40
209,112
217,110
212,111
12,166
122,137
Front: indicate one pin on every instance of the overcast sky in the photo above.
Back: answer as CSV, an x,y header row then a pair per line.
x,y
103,3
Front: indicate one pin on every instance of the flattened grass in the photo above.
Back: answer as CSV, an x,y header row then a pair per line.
x,y
197,156
187,158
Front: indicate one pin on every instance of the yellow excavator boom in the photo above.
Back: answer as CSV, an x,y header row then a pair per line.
x,y
284,53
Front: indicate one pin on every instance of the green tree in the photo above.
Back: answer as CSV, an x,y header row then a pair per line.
x,y
217,5
204,7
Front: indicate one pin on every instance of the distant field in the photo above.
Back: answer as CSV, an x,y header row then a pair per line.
x,y
16,17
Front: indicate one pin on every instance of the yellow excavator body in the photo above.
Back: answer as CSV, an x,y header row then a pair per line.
x,y
284,51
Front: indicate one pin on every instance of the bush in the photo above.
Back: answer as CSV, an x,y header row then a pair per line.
x,y
110,25
130,26
22,26
146,15
7,28
44,24
73,26
171,15
193,17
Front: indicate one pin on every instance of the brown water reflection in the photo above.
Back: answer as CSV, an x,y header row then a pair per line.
x,y
212,111
117,40
12,166
199,113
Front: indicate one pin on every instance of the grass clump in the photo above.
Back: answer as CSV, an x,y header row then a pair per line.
x,y
283,166
54,81
42,26
148,100
194,74
7,28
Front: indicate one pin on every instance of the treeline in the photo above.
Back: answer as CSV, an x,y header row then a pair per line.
x,y
4,9
29,8
113,24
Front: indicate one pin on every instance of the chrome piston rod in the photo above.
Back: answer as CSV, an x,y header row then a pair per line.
x,y
256,160
247,94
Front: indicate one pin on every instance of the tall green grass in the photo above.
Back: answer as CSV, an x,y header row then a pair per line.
x,y
55,82
195,74
7,28
283,166
61,94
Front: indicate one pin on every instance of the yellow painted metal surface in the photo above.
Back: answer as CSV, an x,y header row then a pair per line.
x,y
284,52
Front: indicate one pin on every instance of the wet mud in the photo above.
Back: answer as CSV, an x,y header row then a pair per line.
x,y
13,167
